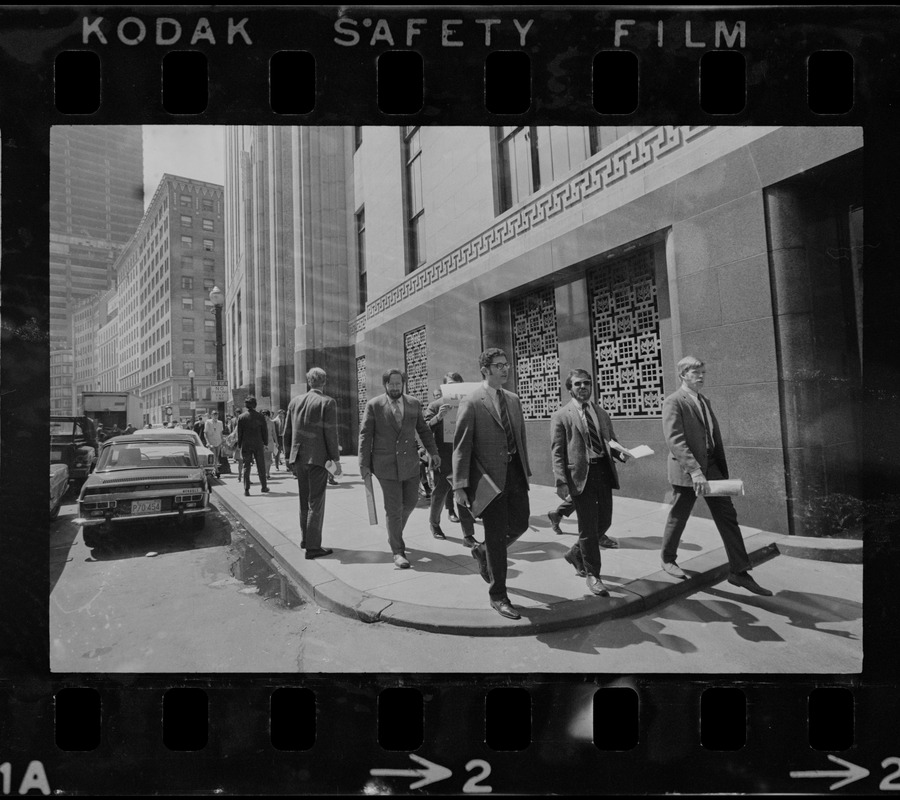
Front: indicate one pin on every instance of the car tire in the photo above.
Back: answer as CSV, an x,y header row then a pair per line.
x,y
95,536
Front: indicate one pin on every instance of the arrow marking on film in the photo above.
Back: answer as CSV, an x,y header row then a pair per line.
x,y
432,773
853,772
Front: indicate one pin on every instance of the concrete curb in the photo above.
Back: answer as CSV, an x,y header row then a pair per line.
x,y
639,595
842,551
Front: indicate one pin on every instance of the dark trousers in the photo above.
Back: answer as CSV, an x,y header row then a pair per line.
x,y
505,520
442,490
311,482
565,508
248,454
594,507
400,498
723,514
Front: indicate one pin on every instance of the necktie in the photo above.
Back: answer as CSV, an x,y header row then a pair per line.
x,y
398,412
706,423
593,435
504,418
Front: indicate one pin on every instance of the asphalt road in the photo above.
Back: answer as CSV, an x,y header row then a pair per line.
x,y
213,604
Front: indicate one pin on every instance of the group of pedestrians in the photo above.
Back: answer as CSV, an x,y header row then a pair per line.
x,y
486,467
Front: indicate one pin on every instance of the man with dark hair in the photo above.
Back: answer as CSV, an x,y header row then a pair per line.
x,y
252,437
387,448
434,416
490,440
583,467
311,440
698,455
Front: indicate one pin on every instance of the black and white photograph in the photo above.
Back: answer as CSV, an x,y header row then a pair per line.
x,y
250,323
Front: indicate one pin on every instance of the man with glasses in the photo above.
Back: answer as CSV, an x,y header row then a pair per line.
x,y
584,470
490,439
698,455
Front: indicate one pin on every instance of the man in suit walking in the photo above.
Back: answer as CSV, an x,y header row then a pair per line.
x,y
387,448
583,467
697,456
434,415
252,437
310,440
490,430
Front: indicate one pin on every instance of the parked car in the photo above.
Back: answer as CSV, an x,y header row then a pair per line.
x,y
141,477
207,457
59,483
73,442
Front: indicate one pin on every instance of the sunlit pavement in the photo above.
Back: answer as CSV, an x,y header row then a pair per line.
x,y
443,591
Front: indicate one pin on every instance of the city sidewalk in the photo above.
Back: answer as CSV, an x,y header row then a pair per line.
x,y
444,592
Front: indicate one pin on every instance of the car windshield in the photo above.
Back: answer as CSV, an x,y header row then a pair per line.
x,y
174,434
131,455
62,427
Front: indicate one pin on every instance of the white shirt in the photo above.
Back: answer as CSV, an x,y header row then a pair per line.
x,y
212,429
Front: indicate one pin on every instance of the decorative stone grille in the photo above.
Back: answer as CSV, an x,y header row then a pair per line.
x,y
625,336
536,353
361,387
415,350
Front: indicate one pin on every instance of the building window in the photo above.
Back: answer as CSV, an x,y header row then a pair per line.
x,y
532,157
187,304
186,221
415,208
625,335
186,200
415,350
208,245
208,284
188,366
187,324
363,294
210,325
536,353
187,241
207,224
603,136
209,264
211,368
187,263
187,282
207,204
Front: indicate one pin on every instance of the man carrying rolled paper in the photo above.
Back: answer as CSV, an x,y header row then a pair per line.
x,y
697,457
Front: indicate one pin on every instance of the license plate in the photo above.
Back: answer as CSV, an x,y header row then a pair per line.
x,y
56,455
146,506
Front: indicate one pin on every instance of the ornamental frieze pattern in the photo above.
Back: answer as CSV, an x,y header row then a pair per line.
x,y
620,163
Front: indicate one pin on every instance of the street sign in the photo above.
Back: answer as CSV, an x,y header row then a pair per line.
x,y
219,392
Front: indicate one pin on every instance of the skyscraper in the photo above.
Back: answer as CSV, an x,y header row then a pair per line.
x,y
96,204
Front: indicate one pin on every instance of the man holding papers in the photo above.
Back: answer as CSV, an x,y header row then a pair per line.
x,y
697,457
581,437
490,459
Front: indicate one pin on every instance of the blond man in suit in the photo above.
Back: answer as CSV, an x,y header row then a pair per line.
x,y
387,449
698,456
584,469
490,428
310,440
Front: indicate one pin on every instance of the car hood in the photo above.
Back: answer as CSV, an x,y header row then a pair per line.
x,y
150,476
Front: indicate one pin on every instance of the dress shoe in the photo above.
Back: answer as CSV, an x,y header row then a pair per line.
x,y
596,586
505,609
470,541
482,564
437,533
452,517
265,489
744,579
673,569
400,562
319,552
555,519
609,544
246,493
576,561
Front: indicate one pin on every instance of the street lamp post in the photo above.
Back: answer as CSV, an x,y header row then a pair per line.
x,y
217,298
193,402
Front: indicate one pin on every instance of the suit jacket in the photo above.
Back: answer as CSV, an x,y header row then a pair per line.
x,y
480,434
445,449
387,449
252,431
310,429
569,443
686,437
